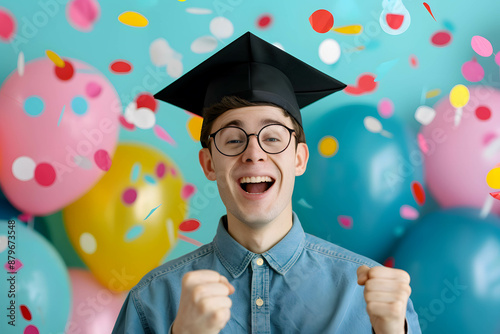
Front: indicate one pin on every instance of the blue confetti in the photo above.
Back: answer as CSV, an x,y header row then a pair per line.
x,y
134,232
153,210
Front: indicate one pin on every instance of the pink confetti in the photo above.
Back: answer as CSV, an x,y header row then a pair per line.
x,y
162,134
408,212
7,25
25,217
30,329
422,143
83,14
13,267
93,89
345,222
497,58
129,196
173,172
187,191
385,108
102,160
125,124
160,170
472,71
488,138
413,61
482,46
191,241
45,174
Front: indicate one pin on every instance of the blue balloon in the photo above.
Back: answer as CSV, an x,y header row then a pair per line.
x,y
40,285
453,258
367,181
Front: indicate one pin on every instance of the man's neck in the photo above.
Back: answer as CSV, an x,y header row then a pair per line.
x,y
260,239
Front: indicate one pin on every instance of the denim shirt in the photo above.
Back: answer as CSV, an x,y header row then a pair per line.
x,y
302,285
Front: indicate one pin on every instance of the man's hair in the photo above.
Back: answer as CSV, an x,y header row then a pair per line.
x,y
233,102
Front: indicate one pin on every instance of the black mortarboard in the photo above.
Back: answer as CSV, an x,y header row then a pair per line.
x,y
255,70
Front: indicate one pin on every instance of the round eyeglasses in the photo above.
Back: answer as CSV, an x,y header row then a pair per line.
x,y
232,140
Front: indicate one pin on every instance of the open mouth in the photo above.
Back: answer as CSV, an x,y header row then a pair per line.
x,y
256,184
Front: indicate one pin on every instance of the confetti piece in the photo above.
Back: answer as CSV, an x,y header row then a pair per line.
x,y
496,195
497,58
493,178
345,222
26,217
373,125
472,71
441,38
65,73
264,21
221,27
93,89
432,93
394,21
79,105
45,174
20,63
102,160
189,225
459,96
61,116
7,25
160,52
328,146
488,138
82,162
144,118
408,212
482,46
134,232
329,51
418,192
120,67
25,312
160,170
189,240
198,11
134,173
429,10
204,44
88,243
54,57
422,143
187,191
303,202
83,14
163,135
174,68
3,243
483,113
133,19
34,106
413,61
279,46
170,231
149,179
194,127
385,108
383,68
129,196
394,18
321,21
389,262
151,212
425,115
365,84
487,206
449,25
14,269
349,30
125,123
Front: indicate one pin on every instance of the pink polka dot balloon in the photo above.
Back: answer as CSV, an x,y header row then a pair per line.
x,y
58,132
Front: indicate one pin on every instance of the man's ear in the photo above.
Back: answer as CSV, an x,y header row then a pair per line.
x,y
206,163
301,158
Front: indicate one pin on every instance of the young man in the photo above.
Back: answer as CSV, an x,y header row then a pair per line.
x,y
262,273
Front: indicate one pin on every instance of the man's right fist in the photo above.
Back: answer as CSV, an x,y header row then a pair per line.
x,y
205,306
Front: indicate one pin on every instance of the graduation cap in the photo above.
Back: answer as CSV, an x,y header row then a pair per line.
x,y
255,70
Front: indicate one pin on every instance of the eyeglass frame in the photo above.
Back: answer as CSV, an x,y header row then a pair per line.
x,y
290,131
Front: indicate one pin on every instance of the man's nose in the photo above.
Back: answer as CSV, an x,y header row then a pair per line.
x,y
253,152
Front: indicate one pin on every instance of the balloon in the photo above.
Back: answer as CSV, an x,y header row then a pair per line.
x,y
124,226
458,158
453,258
69,120
357,190
95,308
39,292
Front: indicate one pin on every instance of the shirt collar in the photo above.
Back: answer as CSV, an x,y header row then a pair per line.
x,y
281,257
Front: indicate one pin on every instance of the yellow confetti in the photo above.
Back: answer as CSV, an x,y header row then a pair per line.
x,y
493,178
459,96
194,127
349,30
133,19
328,146
54,57
432,93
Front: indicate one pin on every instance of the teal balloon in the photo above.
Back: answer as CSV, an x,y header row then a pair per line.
x,y
366,182
42,284
453,258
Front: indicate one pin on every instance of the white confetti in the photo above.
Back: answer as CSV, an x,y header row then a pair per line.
x,y
279,46
204,44
329,51
144,118
198,11
23,168
221,27
425,115
130,112
20,64
88,243
174,68
160,52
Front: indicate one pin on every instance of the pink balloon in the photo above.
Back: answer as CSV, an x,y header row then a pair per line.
x,y
95,308
55,137
459,157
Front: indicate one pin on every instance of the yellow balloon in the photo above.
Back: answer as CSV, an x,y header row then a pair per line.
x,y
124,226
493,178
459,96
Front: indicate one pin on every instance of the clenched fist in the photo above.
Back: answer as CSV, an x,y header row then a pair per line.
x,y
205,306
386,293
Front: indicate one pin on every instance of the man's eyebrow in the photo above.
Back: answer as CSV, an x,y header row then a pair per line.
x,y
237,122
270,121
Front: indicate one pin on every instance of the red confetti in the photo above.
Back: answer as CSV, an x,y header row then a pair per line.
x,y
366,84
321,21
413,61
126,124
146,100
120,67
496,195
264,21
66,72
45,174
102,160
7,25
418,192
190,225
483,113
389,262
25,312
441,38
25,217
429,10
394,21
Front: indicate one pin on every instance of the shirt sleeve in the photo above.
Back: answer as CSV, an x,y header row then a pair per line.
x,y
128,321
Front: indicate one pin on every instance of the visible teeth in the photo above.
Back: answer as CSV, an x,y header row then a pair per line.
x,y
255,179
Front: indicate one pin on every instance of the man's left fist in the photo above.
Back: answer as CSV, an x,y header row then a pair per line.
x,y
386,293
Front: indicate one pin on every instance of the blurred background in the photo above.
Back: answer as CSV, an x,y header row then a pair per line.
x,y
100,183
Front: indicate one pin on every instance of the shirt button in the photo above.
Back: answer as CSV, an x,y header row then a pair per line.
x,y
260,262
259,302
